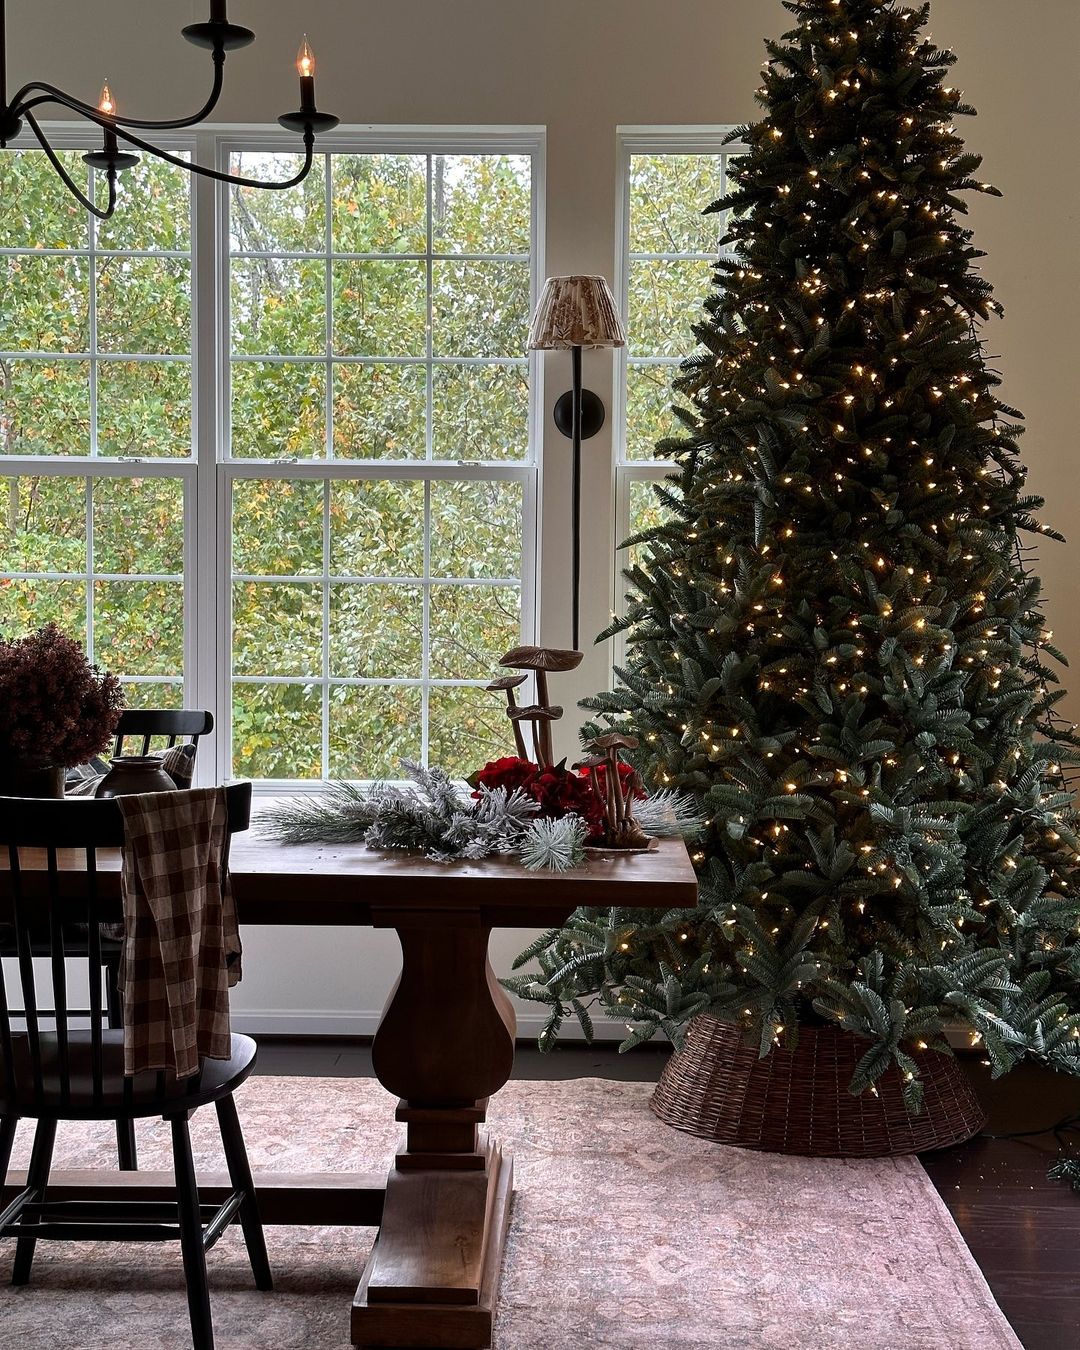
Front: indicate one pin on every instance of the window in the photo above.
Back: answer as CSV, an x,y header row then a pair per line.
x,y
356,489
667,178
96,364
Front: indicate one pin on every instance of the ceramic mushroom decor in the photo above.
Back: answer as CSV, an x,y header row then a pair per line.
x,y
615,791
541,714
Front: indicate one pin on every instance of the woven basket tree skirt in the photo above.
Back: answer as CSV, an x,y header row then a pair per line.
x,y
798,1101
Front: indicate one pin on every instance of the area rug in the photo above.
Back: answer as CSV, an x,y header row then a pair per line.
x,y
625,1233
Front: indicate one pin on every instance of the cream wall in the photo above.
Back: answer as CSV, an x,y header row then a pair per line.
x,y
581,68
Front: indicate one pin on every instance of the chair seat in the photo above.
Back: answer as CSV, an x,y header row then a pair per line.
x,y
146,1094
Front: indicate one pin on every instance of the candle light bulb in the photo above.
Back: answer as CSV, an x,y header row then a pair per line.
x,y
105,102
305,59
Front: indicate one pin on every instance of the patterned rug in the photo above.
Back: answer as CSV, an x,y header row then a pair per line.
x,y
625,1233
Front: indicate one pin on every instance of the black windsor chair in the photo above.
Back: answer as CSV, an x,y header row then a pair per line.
x,y
64,1072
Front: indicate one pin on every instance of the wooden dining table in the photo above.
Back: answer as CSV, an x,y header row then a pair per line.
x,y
444,1046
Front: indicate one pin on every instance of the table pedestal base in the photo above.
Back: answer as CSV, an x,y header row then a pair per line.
x,y
432,1277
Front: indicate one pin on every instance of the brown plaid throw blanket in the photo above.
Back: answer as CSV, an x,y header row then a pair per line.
x,y
181,947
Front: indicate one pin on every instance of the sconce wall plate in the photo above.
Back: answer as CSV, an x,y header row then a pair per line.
x,y
593,413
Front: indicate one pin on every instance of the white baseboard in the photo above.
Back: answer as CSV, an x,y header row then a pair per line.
x,y
290,1022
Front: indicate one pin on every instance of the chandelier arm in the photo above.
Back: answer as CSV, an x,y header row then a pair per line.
x,y
102,213
107,124
49,93
216,174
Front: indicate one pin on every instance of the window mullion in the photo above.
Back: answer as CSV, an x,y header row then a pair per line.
x,y
205,536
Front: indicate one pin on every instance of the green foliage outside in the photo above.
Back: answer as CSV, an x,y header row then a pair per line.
x,y
334,581
835,641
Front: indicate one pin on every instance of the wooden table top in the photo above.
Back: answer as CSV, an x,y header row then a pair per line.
x,y
351,884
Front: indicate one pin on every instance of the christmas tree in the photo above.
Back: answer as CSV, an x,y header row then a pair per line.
x,y
835,641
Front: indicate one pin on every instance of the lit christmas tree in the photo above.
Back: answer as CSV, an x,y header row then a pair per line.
x,y
835,643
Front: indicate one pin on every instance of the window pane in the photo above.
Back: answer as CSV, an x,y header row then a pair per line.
x,y
376,631
645,509
372,728
480,308
649,417
471,626
467,728
481,203
292,221
139,525
26,605
144,409
144,305
476,529
46,306
277,628
139,627
380,411
153,210
665,299
380,203
277,527
38,210
380,308
377,528
668,194
278,409
153,693
277,731
45,408
43,524
278,306
480,412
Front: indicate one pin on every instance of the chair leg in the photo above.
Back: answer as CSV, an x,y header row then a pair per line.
x,y
125,1146
232,1139
7,1139
37,1178
125,1129
191,1237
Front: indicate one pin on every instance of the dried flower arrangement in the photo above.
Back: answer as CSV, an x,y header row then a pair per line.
x,y
56,709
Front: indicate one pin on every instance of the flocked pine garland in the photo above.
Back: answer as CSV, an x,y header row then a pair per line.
x,y
430,815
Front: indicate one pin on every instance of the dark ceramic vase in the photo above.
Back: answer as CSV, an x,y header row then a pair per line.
x,y
20,779
135,773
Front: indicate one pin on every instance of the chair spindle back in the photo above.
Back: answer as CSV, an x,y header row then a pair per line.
x,y
51,892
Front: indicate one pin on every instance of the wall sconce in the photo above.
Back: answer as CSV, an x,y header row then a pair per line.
x,y
577,312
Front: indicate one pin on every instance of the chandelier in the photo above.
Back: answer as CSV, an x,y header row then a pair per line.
x,y
218,36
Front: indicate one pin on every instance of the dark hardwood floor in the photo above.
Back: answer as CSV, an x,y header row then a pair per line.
x,y
1022,1229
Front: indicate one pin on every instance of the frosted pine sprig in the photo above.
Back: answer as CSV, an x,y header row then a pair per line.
x,y
557,845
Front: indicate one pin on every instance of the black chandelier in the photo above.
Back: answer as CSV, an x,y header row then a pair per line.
x,y
218,36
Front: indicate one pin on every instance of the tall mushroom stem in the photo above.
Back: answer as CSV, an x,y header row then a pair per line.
x,y
519,739
542,730
616,787
609,812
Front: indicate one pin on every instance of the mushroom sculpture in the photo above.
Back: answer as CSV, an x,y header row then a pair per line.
x,y
621,830
541,714
507,684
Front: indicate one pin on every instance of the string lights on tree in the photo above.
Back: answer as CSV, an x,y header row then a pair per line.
x,y
834,639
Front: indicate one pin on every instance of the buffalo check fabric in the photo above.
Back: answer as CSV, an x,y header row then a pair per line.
x,y
181,947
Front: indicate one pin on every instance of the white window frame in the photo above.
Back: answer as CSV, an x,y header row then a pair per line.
x,y
78,136
630,141
208,476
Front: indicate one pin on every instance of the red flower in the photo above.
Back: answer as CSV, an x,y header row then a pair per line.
x,y
509,773
558,791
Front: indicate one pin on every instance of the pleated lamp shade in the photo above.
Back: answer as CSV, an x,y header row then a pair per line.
x,y
576,312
